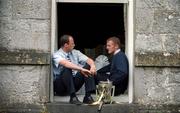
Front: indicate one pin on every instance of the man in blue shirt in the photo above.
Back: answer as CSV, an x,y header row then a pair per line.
x,y
118,67
71,70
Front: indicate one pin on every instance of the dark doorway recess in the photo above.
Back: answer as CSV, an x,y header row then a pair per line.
x,y
91,23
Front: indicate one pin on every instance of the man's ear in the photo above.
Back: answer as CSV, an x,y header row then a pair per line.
x,y
65,45
116,46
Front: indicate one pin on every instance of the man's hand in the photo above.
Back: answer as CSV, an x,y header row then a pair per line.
x,y
93,70
85,72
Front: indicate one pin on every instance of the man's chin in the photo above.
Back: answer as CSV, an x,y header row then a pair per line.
x,y
109,52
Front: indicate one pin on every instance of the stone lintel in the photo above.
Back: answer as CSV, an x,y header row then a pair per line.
x,y
24,57
157,59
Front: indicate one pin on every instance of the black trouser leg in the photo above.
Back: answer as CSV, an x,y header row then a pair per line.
x,y
89,81
120,85
102,74
101,77
59,88
65,83
81,79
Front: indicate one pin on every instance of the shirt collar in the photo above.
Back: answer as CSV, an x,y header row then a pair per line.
x,y
61,50
117,51
65,53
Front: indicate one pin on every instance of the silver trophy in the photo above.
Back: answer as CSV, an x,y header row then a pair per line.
x,y
104,93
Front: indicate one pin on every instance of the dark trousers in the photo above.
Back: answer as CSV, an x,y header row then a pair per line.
x,y
66,84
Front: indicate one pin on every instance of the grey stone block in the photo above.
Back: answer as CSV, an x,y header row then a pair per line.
x,y
23,84
31,9
170,43
166,21
159,4
42,26
24,57
25,34
175,96
157,59
167,43
150,3
144,20
5,8
157,85
148,43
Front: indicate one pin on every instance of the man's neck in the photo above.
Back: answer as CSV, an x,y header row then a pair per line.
x,y
117,51
64,49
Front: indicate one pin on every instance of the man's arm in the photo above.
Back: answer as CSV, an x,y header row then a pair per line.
x,y
92,66
71,65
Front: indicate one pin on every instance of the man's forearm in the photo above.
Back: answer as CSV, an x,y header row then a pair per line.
x,y
70,65
91,63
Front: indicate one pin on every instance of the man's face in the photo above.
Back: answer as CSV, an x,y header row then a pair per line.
x,y
70,45
111,47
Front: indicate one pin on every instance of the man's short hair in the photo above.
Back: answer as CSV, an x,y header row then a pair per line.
x,y
64,39
116,40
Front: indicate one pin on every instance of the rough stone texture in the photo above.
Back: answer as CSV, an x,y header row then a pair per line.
x,y
24,57
5,8
107,108
23,85
112,108
157,46
25,34
31,9
157,50
166,21
158,4
158,16
144,23
25,24
157,85
148,43
157,59
157,43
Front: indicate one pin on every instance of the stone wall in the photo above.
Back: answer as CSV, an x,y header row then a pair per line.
x,y
24,52
157,52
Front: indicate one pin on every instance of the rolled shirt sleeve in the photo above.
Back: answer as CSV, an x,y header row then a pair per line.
x,y
57,58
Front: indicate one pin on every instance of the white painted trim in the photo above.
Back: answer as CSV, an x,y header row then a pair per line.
x,y
94,1
130,47
53,43
129,37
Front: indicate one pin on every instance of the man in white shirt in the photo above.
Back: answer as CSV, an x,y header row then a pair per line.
x,y
71,70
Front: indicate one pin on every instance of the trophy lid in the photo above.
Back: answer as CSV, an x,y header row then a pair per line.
x,y
106,82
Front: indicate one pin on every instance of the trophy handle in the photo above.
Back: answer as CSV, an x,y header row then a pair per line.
x,y
96,92
113,90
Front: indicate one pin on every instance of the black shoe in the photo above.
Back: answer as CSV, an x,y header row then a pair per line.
x,y
75,100
88,100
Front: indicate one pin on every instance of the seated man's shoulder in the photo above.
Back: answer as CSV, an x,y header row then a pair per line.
x,y
122,53
75,50
58,54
